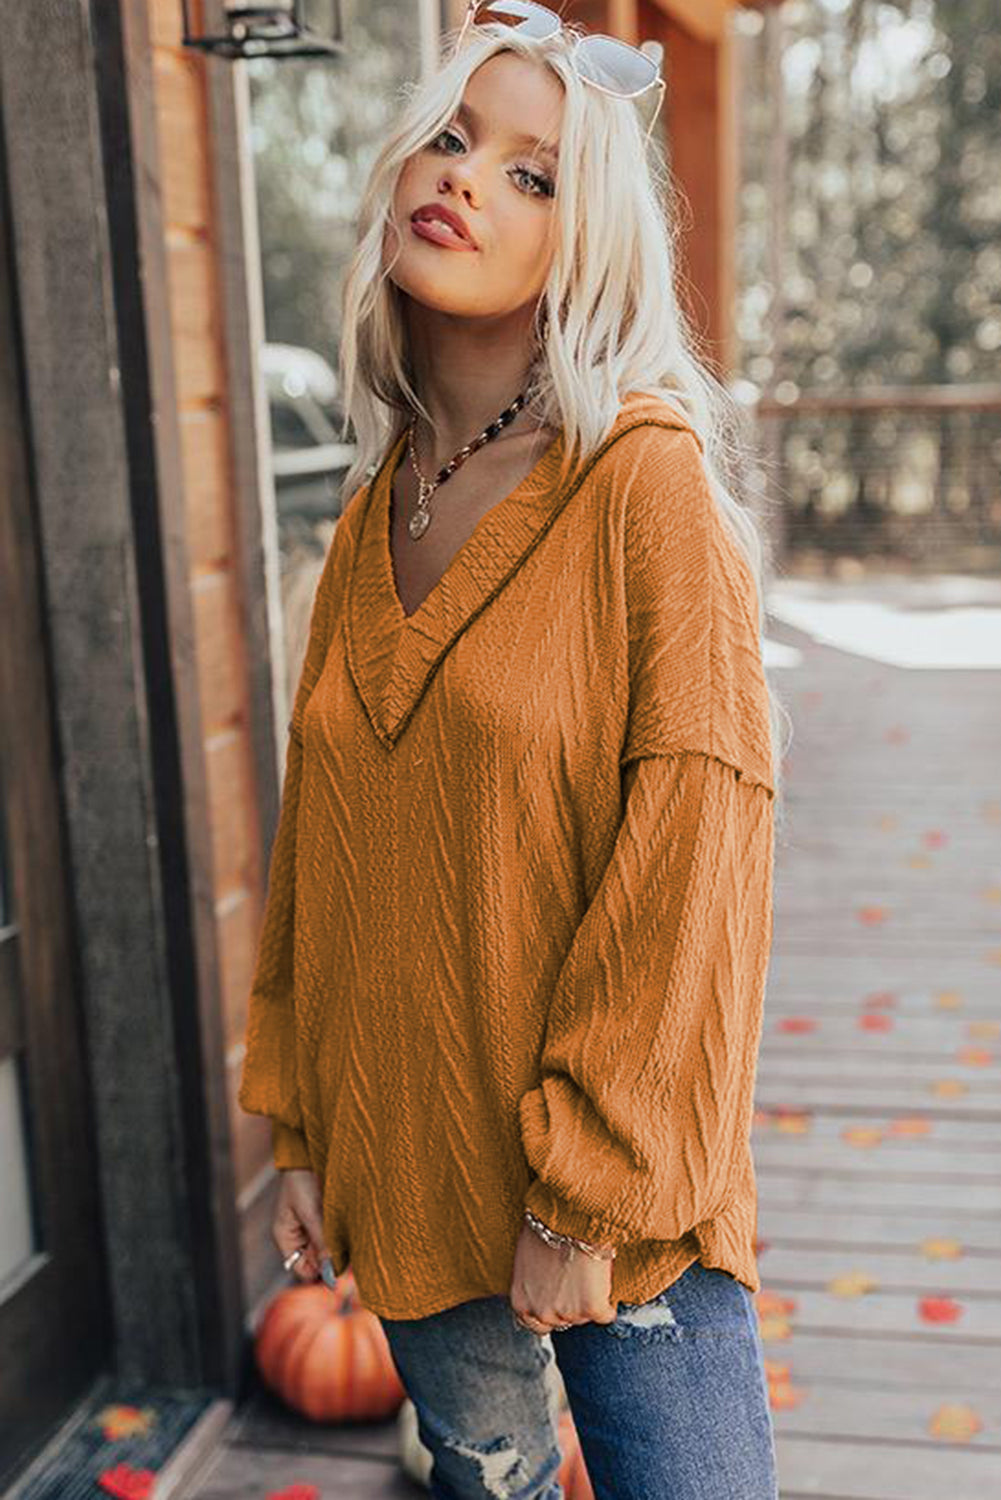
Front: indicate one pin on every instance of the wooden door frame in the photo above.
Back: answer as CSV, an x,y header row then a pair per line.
x,y
98,396
55,1309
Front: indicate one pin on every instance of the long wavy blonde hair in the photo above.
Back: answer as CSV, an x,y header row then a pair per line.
x,y
608,321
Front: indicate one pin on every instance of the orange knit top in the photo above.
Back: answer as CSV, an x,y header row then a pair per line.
x,y
519,907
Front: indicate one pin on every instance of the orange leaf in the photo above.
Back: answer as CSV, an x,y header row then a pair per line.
x,y
118,1421
955,1421
782,1395
852,1284
975,1057
872,916
796,1024
909,1125
941,1249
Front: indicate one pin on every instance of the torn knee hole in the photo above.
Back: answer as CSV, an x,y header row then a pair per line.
x,y
502,1469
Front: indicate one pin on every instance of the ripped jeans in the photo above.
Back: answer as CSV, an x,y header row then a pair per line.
x,y
670,1401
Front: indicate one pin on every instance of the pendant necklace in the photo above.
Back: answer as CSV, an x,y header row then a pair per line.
x,y
421,518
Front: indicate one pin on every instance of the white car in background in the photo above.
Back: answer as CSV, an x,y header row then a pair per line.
x,y
309,459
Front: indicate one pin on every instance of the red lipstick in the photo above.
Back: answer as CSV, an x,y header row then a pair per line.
x,y
436,222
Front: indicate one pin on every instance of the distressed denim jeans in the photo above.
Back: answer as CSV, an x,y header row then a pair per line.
x,y
670,1401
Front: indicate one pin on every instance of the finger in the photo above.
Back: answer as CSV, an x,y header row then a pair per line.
x,y
312,1223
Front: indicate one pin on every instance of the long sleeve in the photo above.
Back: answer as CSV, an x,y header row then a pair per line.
x,y
268,1083
651,1045
647,1074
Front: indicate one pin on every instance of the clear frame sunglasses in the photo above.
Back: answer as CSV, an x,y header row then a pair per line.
x,y
613,67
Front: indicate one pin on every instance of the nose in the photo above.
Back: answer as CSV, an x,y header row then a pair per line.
x,y
459,177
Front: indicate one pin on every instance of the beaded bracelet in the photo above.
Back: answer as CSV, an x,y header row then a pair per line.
x,y
553,1237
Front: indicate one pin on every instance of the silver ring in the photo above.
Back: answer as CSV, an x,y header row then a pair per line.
x,y
290,1260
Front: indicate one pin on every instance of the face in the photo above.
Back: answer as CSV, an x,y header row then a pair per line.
x,y
490,166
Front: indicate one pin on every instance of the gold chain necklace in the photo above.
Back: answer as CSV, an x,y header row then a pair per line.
x,y
421,518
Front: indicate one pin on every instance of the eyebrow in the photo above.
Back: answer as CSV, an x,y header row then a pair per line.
x,y
468,114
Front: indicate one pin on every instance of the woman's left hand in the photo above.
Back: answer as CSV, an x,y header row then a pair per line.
x,y
547,1288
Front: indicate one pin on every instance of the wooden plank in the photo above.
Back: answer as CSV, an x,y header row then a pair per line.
x,y
877,817
914,1158
910,1271
834,1361
911,1227
842,1470
241,1472
836,1190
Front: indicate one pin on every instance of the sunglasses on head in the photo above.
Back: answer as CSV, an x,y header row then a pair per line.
x,y
607,64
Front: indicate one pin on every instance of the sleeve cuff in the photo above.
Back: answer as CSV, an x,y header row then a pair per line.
x,y
288,1146
557,1214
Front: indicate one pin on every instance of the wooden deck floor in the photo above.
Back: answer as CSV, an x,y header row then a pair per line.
x,y
878,1134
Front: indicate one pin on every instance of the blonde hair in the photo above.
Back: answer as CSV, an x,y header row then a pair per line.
x,y
608,322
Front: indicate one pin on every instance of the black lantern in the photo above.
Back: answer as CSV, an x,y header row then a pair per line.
x,y
284,28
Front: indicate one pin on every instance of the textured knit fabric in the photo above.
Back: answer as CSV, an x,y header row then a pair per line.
x,y
519,908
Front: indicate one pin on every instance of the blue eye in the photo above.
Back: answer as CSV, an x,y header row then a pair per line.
x,y
542,187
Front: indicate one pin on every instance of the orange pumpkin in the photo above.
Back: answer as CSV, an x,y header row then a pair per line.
x,y
326,1355
572,1474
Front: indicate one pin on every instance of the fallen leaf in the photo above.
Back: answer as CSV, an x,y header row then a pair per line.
x,y
941,1249
875,1023
861,1135
955,1421
852,1284
939,1310
910,1125
782,1395
126,1483
119,1421
880,1000
949,1088
794,1124
975,1057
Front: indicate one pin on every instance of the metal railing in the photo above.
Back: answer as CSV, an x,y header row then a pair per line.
x,y
897,478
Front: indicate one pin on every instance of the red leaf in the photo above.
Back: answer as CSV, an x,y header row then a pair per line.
x,y
126,1483
939,1310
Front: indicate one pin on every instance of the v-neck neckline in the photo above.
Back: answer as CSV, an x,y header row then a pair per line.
x,y
392,656
540,474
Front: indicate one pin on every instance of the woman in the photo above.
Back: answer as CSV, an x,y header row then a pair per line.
x,y
509,990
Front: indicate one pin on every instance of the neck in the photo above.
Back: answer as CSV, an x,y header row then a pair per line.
x,y
467,371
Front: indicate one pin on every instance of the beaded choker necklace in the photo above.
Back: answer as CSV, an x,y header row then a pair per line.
x,y
421,518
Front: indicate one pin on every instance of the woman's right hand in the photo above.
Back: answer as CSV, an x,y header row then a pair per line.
x,y
298,1224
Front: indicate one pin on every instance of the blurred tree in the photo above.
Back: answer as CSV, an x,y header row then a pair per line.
x,y
317,126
